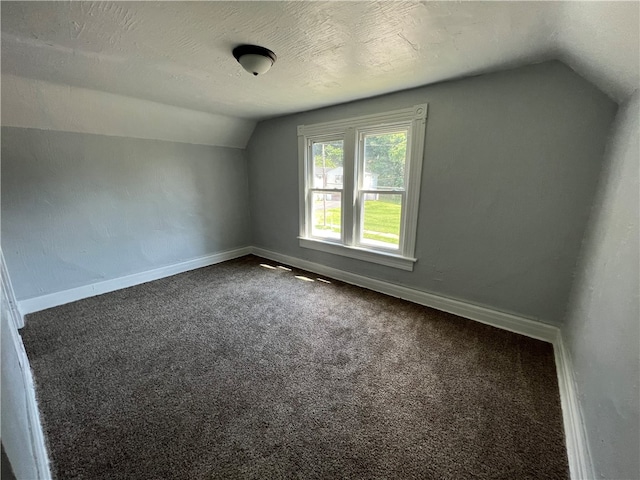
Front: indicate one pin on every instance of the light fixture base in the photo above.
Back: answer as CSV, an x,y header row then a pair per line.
x,y
254,59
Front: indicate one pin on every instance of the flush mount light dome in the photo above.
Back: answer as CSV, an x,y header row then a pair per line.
x,y
254,59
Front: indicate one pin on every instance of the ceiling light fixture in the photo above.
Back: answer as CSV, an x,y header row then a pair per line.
x,y
254,59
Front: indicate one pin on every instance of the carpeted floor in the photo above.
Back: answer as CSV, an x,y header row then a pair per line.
x,y
242,371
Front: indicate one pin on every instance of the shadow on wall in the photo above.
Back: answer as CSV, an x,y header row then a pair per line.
x,y
82,208
511,164
602,329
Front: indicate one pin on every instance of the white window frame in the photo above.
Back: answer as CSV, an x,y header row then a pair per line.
x,y
352,131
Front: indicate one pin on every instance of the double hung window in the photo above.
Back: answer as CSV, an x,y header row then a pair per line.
x,y
360,185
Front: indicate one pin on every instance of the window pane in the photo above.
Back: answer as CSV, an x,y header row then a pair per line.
x,y
327,164
384,160
327,215
381,220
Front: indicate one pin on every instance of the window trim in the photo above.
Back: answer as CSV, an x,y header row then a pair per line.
x,y
350,131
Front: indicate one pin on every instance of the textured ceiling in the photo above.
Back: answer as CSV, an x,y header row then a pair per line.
x,y
179,53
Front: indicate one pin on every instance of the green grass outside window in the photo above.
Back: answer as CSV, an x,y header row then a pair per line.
x,y
381,223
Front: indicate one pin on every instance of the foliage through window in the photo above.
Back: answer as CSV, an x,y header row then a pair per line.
x,y
360,181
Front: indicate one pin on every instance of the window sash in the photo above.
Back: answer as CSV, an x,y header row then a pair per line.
x,y
359,232
311,217
310,189
362,133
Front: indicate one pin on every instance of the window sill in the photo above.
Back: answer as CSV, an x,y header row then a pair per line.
x,y
381,258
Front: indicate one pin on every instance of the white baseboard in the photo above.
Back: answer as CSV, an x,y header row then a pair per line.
x,y
505,321
43,302
37,460
578,452
577,446
37,463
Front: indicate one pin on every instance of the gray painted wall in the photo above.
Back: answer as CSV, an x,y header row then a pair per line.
x,y
511,165
81,208
602,330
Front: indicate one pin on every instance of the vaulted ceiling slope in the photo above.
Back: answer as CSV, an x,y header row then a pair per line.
x,y
179,53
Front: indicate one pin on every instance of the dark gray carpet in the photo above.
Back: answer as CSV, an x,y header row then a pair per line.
x,y
7,471
239,371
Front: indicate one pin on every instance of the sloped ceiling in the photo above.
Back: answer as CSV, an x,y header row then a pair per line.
x,y
601,41
179,53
